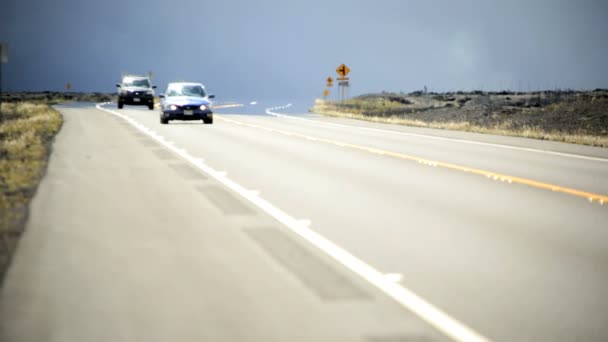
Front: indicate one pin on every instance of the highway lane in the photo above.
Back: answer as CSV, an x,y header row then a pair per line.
x,y
588,164
511,261
128,242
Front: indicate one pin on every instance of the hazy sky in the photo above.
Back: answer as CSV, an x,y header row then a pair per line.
x,y
286,48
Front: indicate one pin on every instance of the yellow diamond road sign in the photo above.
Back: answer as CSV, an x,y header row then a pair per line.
x,y
330,81
343,70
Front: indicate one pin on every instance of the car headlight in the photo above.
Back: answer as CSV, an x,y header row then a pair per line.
x,y
203,107
149,92
173,107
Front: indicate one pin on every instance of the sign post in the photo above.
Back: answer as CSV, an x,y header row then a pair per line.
x,y
343,83
3,60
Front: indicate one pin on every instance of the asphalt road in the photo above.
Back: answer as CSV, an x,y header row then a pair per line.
x,y
129,240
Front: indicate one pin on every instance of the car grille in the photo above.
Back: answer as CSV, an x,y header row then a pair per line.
x,y
138,93
190,107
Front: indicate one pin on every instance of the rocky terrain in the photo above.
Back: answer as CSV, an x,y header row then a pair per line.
x,y
51,97
570,116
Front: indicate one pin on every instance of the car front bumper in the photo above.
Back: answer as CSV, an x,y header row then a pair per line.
x,y
136,99
179,115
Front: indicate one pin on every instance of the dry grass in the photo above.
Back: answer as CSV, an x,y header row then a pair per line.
x,y
355,109
26,132
52,98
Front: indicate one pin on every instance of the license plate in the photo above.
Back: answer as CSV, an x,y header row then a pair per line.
x,y
188,111
136,99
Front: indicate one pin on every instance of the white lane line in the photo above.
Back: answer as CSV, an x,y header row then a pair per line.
x,y
305,222
271,111
423,309
394,277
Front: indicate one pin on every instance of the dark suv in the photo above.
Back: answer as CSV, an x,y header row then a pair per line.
x,y
136,90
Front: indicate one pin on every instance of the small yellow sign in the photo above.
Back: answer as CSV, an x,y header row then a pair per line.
x,y
326,93
330,81
68,86
343,70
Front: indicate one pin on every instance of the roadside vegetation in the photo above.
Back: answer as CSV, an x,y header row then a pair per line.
x,y
52,97
27,129
566,116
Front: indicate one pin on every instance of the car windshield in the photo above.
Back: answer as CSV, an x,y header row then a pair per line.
x,y
137,83
187,90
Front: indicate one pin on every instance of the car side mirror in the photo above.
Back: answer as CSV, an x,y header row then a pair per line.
x,y
153,87
162,96
118,85
211,96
